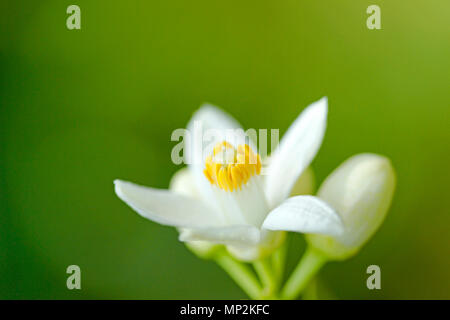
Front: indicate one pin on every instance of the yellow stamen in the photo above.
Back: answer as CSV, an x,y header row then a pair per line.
x,y
229,168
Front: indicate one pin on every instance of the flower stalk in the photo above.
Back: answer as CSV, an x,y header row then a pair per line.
x,y
241,274
269,271
311,262
266,273
279,262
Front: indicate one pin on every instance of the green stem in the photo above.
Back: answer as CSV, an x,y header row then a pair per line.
x,y
264,270
308,266
241,274
279,261
311,290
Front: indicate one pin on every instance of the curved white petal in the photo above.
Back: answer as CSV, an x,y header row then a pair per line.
x,y
296,151
182,182
166,207
361,190
306,214
208,126
231,235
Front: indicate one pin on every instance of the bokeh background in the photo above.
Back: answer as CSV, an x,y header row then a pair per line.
x,y
81,108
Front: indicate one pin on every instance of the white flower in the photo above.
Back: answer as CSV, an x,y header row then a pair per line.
x,y
223,199
361,190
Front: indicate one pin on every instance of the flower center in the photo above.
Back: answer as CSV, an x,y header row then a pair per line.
x,y
229,168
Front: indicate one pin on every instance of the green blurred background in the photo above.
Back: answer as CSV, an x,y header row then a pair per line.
x,y
80,108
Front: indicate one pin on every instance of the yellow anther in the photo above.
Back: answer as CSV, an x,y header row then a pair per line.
x,y
229,168
220,147
206,172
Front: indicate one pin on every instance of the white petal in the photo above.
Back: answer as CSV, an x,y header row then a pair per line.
x,y
246,206
361,190
182,182
220,126
296,151
214,117
306,214
232,235
166,207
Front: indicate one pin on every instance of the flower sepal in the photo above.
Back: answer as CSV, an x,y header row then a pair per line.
x,y
204,249
272,241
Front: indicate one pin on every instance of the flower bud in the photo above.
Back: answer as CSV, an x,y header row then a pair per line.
x,y
360,190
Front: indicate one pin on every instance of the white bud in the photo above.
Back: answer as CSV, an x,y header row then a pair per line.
x,y
360,190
